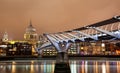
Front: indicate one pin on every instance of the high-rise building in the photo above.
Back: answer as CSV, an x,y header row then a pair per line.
x,y
30,34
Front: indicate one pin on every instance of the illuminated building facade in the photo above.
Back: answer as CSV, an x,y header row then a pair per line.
x,y
3,48
5,37
95,48
19,49
73,49
16,48
3,44
49,52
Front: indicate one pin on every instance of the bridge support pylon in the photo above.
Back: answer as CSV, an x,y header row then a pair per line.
x,y
61,48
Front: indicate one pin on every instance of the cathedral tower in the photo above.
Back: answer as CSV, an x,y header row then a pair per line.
x,y
5,37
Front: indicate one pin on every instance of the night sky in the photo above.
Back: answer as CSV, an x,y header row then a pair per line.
x,y
50,16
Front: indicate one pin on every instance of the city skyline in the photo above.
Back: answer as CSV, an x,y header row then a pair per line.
x,y
49,16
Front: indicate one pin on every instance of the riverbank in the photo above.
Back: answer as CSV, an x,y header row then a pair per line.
x,y
87,57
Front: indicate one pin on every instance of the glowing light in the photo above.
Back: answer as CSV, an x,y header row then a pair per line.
x,y
4,46
12,42
13,67
73,67
86,66
32,68
13,62
81,48
32,62
103,45
103,68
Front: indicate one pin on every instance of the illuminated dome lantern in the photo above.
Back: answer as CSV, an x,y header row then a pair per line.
x,y
30,34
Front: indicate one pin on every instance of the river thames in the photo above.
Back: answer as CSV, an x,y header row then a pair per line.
x,y
48,66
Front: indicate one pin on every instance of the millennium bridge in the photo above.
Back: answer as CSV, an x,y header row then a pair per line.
x,y
106,30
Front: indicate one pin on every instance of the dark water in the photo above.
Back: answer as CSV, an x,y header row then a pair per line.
x,y
47,66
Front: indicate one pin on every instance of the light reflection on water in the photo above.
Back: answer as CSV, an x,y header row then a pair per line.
x,y
47,66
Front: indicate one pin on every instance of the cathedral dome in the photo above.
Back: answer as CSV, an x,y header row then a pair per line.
x,y
30,34
30,29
